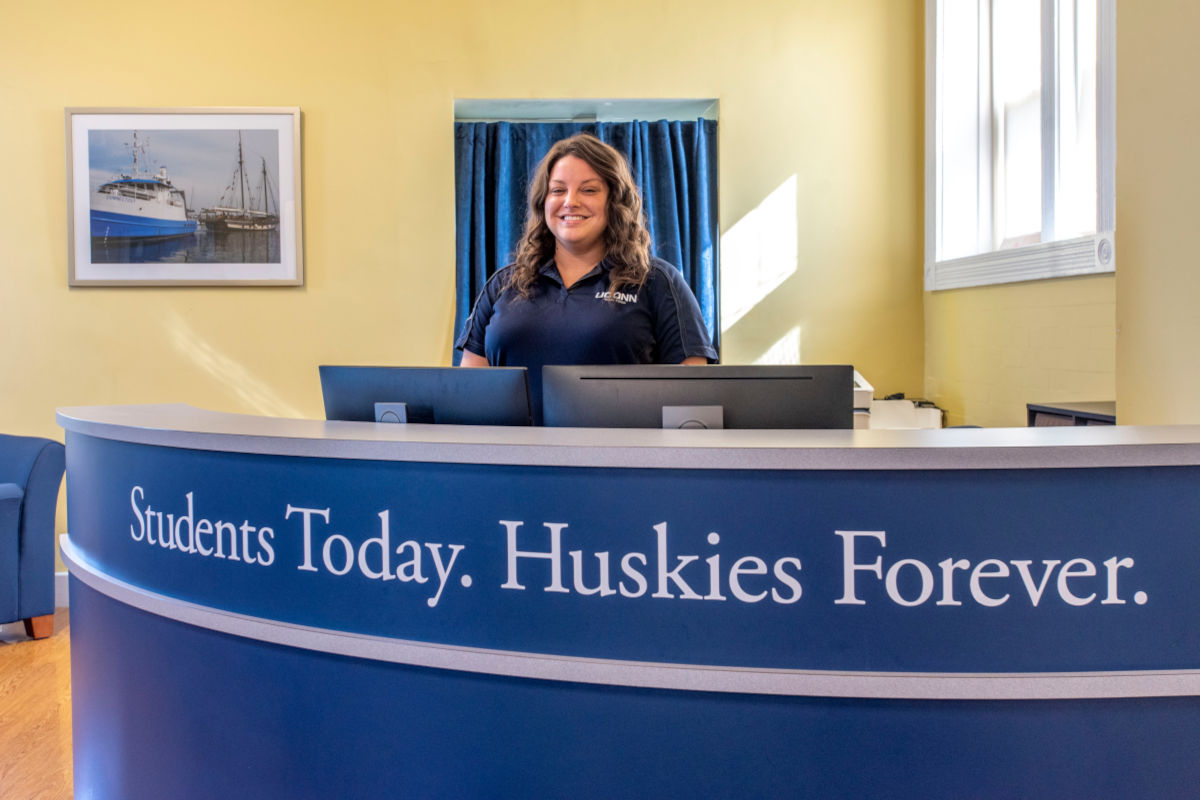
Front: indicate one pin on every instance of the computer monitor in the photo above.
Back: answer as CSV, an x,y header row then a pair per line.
x,y
449,395
655,396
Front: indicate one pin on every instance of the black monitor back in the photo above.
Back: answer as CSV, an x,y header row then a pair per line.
x,y
750,396
444,395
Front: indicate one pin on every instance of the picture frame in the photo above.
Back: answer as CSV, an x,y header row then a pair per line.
x,y
184,197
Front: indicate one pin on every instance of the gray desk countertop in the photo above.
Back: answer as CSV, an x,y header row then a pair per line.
x,y
180,425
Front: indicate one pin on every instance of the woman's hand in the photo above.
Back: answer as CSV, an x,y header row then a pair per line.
x,y
470,359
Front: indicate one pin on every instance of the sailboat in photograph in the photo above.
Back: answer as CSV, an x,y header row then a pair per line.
x,y
139,205
243,216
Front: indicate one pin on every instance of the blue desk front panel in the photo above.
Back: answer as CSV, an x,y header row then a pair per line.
x,y
163,709
765,525
923,572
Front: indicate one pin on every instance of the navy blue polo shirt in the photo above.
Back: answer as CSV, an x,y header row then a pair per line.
x,y
656,323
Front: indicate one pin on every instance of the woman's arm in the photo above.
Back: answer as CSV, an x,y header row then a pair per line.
x,y
680,334
690,361
470,359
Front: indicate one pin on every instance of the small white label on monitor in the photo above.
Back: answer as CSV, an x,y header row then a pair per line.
x,y
391,412
699,417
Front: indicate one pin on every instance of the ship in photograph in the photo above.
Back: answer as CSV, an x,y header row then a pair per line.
x,y
140,206
242,216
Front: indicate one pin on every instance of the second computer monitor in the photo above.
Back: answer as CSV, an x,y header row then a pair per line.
x,y
655,396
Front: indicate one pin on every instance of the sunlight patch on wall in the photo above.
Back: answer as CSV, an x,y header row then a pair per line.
x,y
784,351
252,392
758,253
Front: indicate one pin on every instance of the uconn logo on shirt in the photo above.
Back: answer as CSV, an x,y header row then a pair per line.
x,y
617,297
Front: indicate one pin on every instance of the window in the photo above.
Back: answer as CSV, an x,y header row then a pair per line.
x,y
1019,140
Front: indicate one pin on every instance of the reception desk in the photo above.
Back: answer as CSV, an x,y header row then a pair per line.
x,y
289,608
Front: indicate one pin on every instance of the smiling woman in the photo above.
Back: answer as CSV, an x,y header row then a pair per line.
x,y
576,215
583,288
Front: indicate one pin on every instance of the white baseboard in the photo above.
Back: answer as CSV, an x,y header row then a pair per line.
x,y
60,590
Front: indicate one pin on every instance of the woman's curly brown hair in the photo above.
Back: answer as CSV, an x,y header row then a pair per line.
x,y
626,240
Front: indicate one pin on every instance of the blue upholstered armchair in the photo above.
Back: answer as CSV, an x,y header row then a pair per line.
x,y
31,471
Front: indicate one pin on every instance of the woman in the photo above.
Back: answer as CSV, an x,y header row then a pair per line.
x,y
583,288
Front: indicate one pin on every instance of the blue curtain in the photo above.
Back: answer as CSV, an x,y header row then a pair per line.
x,y
673,162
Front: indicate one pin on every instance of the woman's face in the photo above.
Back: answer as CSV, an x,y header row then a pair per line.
x,y
576,205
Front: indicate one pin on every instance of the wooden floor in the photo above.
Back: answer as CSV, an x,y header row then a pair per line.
x,y
35,713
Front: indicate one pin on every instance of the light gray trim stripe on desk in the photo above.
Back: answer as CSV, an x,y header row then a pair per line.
x,y
987,448
683,677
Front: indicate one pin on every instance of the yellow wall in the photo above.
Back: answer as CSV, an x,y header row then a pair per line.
x,y
991,350
827,94
1158,182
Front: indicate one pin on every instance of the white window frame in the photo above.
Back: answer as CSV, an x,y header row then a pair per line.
x,y
1086,255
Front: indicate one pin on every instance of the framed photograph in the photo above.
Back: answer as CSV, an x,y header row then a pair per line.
x,y
184,197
